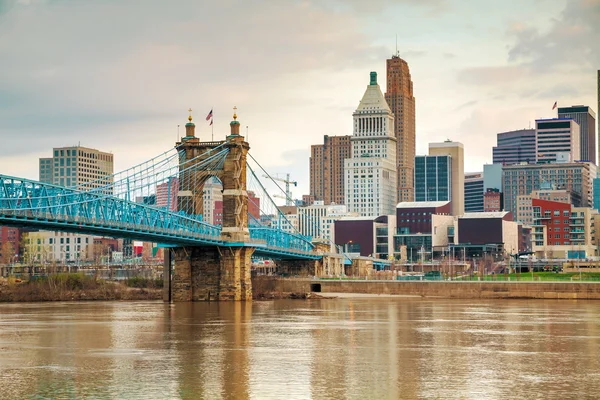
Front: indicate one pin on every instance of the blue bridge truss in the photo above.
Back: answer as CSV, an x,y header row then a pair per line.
x,y
31,204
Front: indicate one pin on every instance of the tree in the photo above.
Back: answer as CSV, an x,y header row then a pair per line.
x,y
7,252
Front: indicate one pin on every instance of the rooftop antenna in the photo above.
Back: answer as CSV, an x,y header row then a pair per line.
x,y
397,54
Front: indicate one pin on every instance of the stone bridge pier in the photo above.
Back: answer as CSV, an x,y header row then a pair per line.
x,y
207,273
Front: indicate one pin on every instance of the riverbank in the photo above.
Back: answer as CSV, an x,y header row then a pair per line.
x,y
443,289
77,287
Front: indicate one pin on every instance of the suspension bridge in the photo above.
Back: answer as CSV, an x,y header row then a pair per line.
x,y
211,262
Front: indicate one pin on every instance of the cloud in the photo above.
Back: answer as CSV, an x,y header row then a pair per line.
x,y
96,72
493,75
413,54
572,39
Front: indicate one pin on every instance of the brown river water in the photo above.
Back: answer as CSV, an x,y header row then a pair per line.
x,y
361,348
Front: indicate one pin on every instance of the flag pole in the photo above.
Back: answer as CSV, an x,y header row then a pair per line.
x,y
212,125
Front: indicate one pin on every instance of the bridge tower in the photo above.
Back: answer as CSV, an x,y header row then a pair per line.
x,y
206,273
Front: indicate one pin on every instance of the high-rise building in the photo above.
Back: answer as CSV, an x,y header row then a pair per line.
x,y
327,169
557,140
586,118
85,169
433,178
457,152
77,166
166,194
400,98
474,192
371,181
576,177
514,147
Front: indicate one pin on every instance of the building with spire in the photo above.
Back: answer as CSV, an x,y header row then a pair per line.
x,y
370,173
400,98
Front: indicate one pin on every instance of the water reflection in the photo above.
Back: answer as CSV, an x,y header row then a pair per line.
x,y
321,349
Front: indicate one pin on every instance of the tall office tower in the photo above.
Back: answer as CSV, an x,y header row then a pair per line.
x,y
575,177
557,140
371,181
77,166
586,118
400,98
327,169
433,178
474,192
457,152
514,147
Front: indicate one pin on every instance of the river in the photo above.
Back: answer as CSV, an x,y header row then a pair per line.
x,y
349,348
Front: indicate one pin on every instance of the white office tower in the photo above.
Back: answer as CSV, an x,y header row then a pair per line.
x,y
370,175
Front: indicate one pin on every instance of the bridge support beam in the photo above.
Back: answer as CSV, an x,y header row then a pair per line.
x,y
299,267
212,274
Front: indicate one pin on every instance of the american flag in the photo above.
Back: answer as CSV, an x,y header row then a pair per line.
x,y
209,116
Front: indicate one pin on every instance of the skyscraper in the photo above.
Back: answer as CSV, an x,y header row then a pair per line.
x,y
433,178
555,138
457,152
327,169
514,147
474,192
586,118
371,182
76,166
400,98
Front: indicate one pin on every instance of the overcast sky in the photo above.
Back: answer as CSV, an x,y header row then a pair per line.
x,y
119,75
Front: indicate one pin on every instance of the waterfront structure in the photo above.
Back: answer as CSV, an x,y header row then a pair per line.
x,y
514,147
400,98
370,173
493,233
586,119
417,228
557,140
474,192
492,200
562,231
457,168
77,166
576,177
327,169
365,236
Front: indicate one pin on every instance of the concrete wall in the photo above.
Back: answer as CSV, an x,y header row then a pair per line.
x,y
470,290
458,290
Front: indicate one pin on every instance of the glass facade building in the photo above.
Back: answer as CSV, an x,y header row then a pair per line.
x,y
433,178
474,192
514,147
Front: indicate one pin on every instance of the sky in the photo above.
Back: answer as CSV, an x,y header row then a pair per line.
x,y
120,75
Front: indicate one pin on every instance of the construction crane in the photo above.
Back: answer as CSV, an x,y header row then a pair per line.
x,y
288,193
